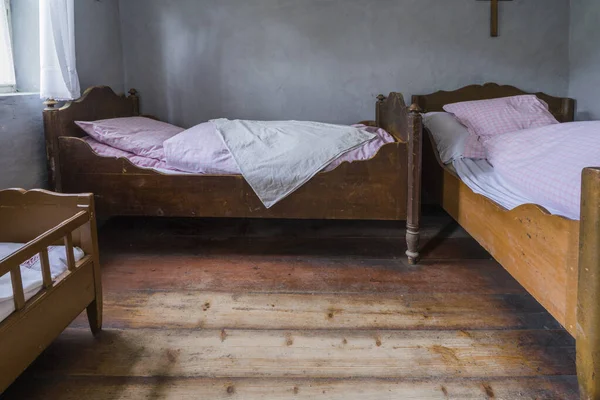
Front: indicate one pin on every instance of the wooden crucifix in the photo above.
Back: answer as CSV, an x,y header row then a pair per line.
x,y
494,17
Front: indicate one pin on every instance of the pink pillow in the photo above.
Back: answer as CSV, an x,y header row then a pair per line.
x,y
488,118
138,135
107,151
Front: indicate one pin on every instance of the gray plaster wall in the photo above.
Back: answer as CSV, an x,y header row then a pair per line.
x,y
22,151
98,44
326,60
99,62
585,58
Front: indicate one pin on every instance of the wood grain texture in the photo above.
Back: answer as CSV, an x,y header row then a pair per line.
x,y
370,189
181,323
205,238
563,109
25,336
373,189
98,102
545,253
314,354
494,19
588,306
413,212
103,388
39,219
538,249
305,274
391,115
218,310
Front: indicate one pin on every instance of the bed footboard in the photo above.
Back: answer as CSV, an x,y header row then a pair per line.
x,y
588,300
40,219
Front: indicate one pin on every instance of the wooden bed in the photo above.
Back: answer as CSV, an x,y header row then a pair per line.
x,y
382,188
40,219
556,259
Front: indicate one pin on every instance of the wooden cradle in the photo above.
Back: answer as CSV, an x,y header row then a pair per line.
x,y
380,188
556,259
40,219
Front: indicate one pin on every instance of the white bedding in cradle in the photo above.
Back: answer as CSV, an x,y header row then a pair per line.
x,y
480,177
31,273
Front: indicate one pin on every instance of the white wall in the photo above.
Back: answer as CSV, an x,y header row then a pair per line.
x,y
584,58
193,60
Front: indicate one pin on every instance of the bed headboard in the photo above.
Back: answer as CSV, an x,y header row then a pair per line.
x,y
98,102
563,109
392,115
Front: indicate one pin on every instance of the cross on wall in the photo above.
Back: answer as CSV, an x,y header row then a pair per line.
x,y
494,16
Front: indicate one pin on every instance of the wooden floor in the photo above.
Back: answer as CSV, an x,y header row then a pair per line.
x,y
198,309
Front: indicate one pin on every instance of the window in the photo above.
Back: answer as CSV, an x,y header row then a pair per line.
x,y
7,68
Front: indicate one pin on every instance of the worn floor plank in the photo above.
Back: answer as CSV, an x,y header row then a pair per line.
x,y
90,388
314,354
436,224
441,238
216,310
165,271
234,309
347,248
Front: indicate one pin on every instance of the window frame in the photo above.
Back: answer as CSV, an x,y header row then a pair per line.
x,y
9,88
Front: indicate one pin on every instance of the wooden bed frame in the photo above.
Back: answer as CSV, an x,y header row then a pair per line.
x,y
556,259
39,219
382,188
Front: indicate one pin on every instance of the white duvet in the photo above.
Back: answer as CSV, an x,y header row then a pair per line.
x,y
277,157
31,273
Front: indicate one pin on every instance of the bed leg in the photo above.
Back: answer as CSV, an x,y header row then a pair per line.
x,y
95,308
413,218
94,315
588,298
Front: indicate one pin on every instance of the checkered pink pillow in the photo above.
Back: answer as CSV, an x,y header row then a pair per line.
x,y
487,118
138,135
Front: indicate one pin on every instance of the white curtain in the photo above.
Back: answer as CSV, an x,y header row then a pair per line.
x,y
7,69
59,78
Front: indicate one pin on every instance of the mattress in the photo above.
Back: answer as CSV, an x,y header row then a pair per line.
x,y
480,177
31,273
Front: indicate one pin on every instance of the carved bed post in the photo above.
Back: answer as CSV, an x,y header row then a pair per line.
x,y
50,121
133,95
588,299
415,148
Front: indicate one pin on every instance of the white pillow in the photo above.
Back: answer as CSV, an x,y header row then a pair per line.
x,y
449,135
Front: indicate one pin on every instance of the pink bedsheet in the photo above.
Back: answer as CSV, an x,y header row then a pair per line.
x,y
368,150
546,163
